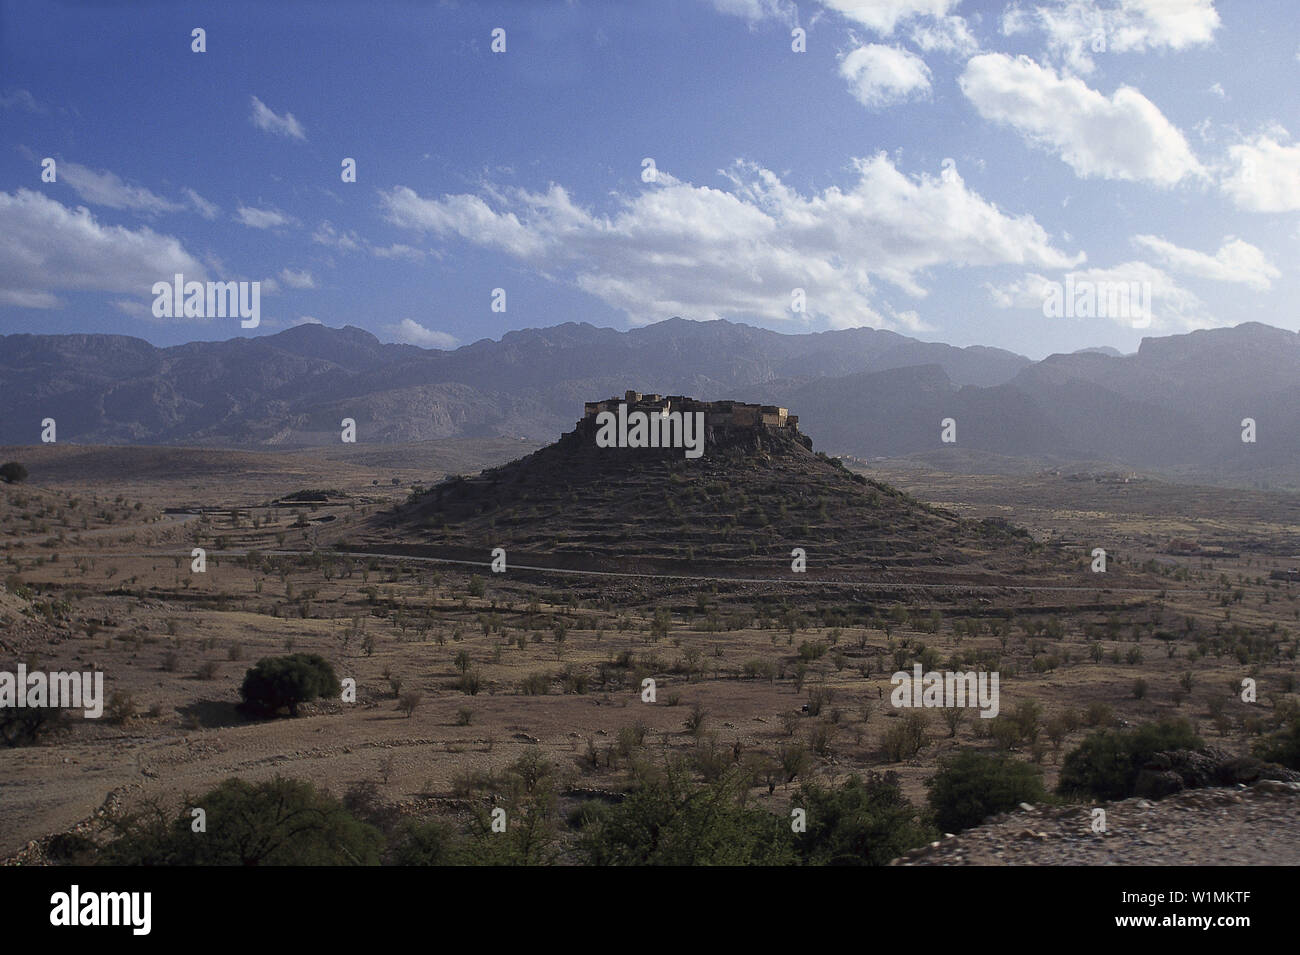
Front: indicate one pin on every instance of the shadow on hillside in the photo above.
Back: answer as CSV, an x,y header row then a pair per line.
x,y
211,714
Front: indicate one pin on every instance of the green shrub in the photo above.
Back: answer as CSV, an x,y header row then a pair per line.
x,y
11,472
905,737
1283,746
862,822
971,786
280,822
1106,764
277,682
667,820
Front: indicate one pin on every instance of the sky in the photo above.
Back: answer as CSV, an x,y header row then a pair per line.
x,y
933,167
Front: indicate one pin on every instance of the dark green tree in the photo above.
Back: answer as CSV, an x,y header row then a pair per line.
x,y
862,822
277,682
280,822
971,786
11,472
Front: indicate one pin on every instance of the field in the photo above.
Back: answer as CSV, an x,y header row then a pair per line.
x,y
784,676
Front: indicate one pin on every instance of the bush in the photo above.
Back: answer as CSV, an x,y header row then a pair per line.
x,y
277,682
426,843
208,670
1106,764
11,472
535,684
29,725
1282,747
971,786
122,708
906,737
280,822
666,820
863,822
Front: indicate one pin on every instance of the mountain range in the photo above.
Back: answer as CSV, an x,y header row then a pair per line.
x,y
1174,406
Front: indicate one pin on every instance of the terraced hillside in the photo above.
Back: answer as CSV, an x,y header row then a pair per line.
x,y
754,496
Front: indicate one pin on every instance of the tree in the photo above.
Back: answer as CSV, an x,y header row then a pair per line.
x,y
28,725
408,701
11,472
1107,763
669,820
280,822
971,786
863,822
277,682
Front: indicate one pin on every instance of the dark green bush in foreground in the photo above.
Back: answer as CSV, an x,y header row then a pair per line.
x,y
1106,764
971,786
1283,746
281,822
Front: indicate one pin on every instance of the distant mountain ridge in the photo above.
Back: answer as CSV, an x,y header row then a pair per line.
x,y
1176,404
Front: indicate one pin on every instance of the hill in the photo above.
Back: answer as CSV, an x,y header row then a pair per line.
x,y
755,495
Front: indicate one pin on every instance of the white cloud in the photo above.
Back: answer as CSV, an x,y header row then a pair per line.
x,y
679,249
264,118
883,16
308,320
881,76
262,218
28,298
1121,137
326,234
947,34
1265,175
1078,30
756,11
204,208
133,308
294,279
412,332
48,246
20,99
1236,261
398,251
1171,307
103,188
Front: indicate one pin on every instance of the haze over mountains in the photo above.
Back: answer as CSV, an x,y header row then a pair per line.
x,y
1174,406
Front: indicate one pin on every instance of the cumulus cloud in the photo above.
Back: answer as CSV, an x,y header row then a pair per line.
x,y
1166,306
49,247
262,218
326,234
397,251
1078,30
756,11
945,34
294,279
265,118
884,16
881,76
677,248
1123,136
411,332
1264,175
103,188
1236,261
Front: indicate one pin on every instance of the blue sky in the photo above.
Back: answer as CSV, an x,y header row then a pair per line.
x,y
929,166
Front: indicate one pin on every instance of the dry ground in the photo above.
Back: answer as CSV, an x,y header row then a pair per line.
x,y
120,596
